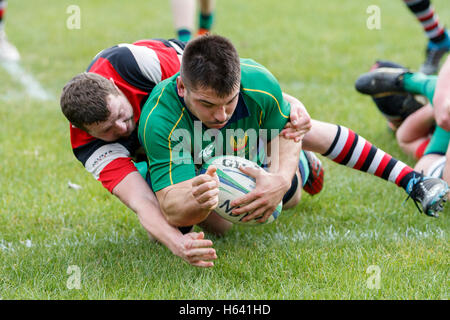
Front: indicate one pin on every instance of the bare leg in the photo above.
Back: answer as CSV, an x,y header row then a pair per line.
x,y
415,130
206,17
184,14
207,6
426,162
320,137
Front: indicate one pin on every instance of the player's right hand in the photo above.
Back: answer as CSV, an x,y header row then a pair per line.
x,y
205,189
196,250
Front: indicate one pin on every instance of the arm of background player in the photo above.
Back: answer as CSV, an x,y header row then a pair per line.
x,y
270,186
134,192
441,99
190,202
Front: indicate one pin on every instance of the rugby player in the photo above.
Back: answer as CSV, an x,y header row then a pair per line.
x,y
223,92
427,128
438,37
184,17
8,51
103,106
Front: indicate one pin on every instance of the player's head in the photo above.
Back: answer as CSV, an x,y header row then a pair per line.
x,y
94,104
210,79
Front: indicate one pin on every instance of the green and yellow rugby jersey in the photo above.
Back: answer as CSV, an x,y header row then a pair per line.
x,y
176,142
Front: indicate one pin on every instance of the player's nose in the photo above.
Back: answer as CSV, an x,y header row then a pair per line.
x,y
121,127
220,115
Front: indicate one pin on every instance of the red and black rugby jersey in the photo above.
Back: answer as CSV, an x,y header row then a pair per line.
x,y
135,68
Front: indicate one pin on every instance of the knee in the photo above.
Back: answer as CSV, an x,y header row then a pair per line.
x,y
216,225
399,135
221,230
294,201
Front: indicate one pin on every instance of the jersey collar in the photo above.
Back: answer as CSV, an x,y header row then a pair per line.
x,y
239,113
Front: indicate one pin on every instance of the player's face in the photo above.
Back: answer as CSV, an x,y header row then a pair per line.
x,y
204,103
120,123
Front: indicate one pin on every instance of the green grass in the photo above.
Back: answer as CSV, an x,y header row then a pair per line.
x,y
320,250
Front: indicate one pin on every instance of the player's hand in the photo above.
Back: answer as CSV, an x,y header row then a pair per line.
x,y
205,189
264,199
299,122
196,250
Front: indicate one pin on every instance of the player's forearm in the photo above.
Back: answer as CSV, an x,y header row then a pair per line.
x,y
441,100
180,207
134,192
158,227
284,158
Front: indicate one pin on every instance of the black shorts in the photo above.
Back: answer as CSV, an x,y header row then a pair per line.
x,y
290,193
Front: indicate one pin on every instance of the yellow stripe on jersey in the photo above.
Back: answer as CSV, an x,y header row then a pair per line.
x,y
254,66
271,95
146,120
170,147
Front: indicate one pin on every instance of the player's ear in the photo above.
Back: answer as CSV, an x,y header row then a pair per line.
x,y
114,84
181,88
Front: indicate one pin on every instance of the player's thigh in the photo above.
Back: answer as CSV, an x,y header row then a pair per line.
x,y
428,163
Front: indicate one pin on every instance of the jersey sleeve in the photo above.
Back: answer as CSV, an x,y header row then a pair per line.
x,y
167,144
136,69
108,163
276,113
265,90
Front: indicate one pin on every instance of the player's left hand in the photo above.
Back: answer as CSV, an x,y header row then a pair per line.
x,y
300,121
264,199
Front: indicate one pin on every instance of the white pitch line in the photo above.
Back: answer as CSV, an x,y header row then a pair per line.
x,y
31,85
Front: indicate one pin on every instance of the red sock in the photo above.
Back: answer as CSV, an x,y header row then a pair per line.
x,y
421,148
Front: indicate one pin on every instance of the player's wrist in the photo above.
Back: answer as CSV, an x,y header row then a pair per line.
x,y
282,180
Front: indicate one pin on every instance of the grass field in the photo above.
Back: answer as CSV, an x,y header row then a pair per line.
x,y
321,250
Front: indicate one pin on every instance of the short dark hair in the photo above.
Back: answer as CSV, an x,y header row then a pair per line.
x,y
211,61
83,99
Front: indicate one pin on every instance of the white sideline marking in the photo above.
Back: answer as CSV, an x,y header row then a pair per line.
x,y
326,234
31,85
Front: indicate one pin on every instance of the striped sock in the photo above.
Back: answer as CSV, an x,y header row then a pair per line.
x,y
303,168
424,12
355,152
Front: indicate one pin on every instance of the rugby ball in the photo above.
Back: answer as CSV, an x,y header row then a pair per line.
x,y
235,184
